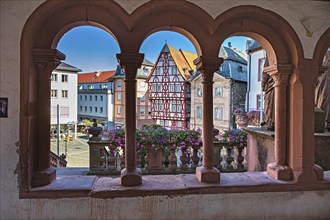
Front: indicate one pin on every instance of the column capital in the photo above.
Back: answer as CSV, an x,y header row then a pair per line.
x,y
46,60
130,62
280,73
207,66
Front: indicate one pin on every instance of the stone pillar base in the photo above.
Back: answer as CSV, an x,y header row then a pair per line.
x,y
43,177
131,178
318,172
279,172
207,175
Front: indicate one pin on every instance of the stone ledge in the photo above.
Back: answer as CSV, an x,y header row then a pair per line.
x,y
70,186
259,132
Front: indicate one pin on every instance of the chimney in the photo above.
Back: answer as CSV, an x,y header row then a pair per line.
x,y
98,73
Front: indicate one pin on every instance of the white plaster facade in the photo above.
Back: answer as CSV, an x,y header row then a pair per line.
x,y
96,103
65,95
280,205
254,92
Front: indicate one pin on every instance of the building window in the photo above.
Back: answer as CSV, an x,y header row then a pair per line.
x,y
218,91
85,108
90,87
119,83
80,87
177,87
95,109
218,113
119,110
258,101
179,124
156,105
261,63
142,84
174,70
90,108
199,92
80,97
53,77
119,96
53,93
142,112
171,88
145,70
166,123
101,98
157,70
64,112
159,88
161,122
104,86
173,106
199,112
65,78
80,108
64,93
90,98
178,108
85,97
95,98
153,88
101,109
143,99
161,108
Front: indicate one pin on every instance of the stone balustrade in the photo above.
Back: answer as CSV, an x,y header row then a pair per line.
x,y
106,161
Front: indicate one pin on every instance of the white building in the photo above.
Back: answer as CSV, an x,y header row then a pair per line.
x,y
64,83
256,60
95,97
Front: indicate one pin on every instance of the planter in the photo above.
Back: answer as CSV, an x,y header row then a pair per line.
x,y
241,120
155,160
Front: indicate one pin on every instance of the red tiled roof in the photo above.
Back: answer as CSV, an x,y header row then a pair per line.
x,y
93,78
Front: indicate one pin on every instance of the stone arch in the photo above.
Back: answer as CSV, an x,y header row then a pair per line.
x,y
39,38
180,16
273,32
321,47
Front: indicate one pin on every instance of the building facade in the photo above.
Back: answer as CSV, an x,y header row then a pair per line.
x,y
143,116
229,90
64,81
256,60
95,97
169,87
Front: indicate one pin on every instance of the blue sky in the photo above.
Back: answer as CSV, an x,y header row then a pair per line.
x,y
91,49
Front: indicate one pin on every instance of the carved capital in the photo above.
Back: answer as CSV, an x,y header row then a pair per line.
x,y
207,66
46,61
130,62
280,73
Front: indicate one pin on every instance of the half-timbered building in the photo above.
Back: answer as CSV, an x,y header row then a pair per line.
x,y
169,87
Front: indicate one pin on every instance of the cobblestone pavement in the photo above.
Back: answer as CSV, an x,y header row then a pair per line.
x,y
77,151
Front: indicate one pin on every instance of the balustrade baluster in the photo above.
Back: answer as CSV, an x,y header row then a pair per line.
x,y
240,158
172,158
230,158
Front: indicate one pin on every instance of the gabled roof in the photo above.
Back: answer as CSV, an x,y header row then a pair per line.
x,y
255,45
67,67
140,72
95,77
183,60
232,54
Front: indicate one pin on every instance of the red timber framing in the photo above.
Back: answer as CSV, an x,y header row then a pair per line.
x,y
169,93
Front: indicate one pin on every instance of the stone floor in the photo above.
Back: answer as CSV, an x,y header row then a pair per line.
x,y
109,187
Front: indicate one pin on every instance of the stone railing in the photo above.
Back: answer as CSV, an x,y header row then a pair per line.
x,y
57,161
104,160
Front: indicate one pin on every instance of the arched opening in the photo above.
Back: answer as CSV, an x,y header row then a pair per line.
x,y
81,92
207,34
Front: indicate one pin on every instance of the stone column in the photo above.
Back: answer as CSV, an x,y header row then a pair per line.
x,y
207,66
46,61
280,74
131,175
